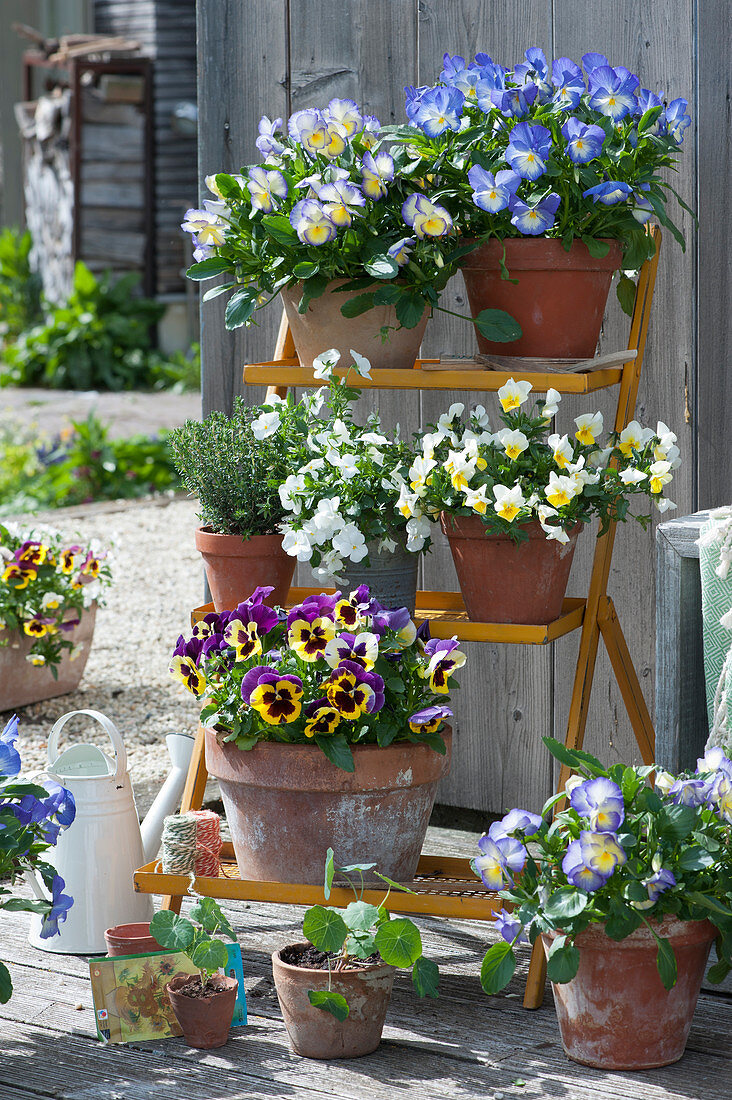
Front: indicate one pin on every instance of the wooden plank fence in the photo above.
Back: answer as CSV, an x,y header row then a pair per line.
x,y
275,56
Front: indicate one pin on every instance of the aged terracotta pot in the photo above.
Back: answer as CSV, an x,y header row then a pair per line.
x,y
505,583
236,566
615,1014
314,1033
131,939
323,326
22,683
287,804
205,1021
559,299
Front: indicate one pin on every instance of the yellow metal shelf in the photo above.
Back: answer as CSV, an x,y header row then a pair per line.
x,y
443,887
281,373
447,617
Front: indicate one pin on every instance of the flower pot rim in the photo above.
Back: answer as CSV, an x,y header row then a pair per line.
x,y
451,521
671,926
205,532
355,973
542,252
175,984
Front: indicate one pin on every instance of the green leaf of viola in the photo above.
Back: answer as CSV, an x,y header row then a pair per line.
x,y
228,186
329,872
718,972
215,291
666,963
409,309
206,269
573,758
635,891
496,324
622,922
709,903
498,967
335,1003
324,928
305,269
695,858
383,267
648,118
172,931
25,905
596,249
399,942
210,955
626,294
562,961
360,916
566,902
354,307
240,307
425,977
279,227
386,295
313,288
6,984
337,749
676,822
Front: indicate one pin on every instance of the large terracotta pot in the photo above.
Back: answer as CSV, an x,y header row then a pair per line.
x,y
505,583
559,299
204,1021
392,578
236,566
22,683
615,1013
323,326
287,804
314,1033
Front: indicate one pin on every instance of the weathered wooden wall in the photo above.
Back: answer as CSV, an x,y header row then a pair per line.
x,y
275,56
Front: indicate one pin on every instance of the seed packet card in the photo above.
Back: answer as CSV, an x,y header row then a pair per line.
x,y
130,1002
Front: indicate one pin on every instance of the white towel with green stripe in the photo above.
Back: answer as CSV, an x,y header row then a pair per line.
x,y
715,564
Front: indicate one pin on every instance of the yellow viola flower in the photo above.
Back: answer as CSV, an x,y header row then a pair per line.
x,y
561,449
244,638
185,670
514,443
660,474
561,490
35,628
277,702
67,561
509,501
323,720
347,614
589,426
513,394
476,499
309,639
18,577
632,438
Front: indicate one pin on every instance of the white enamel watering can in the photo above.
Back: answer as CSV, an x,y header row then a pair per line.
x,y
98,853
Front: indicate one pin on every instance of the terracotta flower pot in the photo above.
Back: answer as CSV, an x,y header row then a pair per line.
x,y
22,683
236,566
559,299
314,1033
505,583
131,939
205,1021
615,1013
323,326
287,804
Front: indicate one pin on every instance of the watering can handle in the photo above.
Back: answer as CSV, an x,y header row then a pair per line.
x,y
109,728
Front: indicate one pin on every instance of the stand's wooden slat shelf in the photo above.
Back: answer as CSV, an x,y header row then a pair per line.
x,y
444,887
448,618
282,373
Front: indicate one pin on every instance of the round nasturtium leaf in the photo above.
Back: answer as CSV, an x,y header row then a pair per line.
x,y
172,931
210,955
398,942
324,928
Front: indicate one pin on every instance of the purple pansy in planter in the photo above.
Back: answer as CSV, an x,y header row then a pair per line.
x,y
534,220
658,883
267,143
612,91
515,821
312,607
601,802
429,719
499,861
528,150
413,98
264,674
511,102
445,657
353,691
688,792
439,110
492,193
584,143
677,119
535,70
590,861
362,649
568,81
609,192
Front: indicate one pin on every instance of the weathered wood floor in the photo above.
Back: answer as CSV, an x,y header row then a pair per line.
x,y
462,1046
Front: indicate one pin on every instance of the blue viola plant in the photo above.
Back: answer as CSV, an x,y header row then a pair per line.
x,y
334,671
31,820
557,150
622,853
330,201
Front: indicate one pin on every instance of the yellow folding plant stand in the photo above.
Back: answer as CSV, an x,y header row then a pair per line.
x,y
446,886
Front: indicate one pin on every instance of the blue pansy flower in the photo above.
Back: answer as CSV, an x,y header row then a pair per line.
x,y
612,91
594,61
267,143
609,192
646,101
569,83
534,220
412,100
677,120
60,905
9,755
584,143
514,821
642,210
528,150
492,193
512,102
601,801
509,927
535,70
311,222
401,249
439,110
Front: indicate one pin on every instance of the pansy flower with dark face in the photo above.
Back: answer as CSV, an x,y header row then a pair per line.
x,y
244,639
67,558
309,639
362,649
445,658
312,607
353,691
18,576
322,718
31,553
429,719
186,670
37,628
277,699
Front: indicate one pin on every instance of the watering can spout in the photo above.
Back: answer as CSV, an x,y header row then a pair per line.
x,y
180,747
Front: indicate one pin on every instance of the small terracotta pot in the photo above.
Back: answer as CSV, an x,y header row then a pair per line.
x,y
205,1021
314,1033
559,299
287,804
505,583
131,939
615,1013
22,683
236,566
323,326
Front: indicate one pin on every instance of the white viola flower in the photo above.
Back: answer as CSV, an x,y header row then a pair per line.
x,y
52,601
589,426
509,501
418,531
480,417
419,474
444,422
408,503
314,401
561,490
551,405
514,442
581,476
476,499
288,490
339,432
350,543
296,544
600,458
670,454
361,363
324,364
660,473
327,519
561,449
513,394
333,457
375,438
312,466
632,476
665,434
551,531
663,504
266,425
461,468
387,546
348,465
394,483
376,456
430,440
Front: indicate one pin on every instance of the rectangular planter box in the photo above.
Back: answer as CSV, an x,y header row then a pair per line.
x,y
22,683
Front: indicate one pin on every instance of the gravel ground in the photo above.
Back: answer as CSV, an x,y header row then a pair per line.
x,y
157,579
127,413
